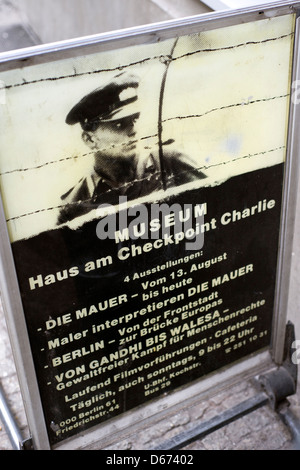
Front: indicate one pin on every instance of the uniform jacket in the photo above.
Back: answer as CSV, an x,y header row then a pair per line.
x,y
93,190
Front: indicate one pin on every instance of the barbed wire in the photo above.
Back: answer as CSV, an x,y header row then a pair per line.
x,y
106,148
166,60
161,57
128,185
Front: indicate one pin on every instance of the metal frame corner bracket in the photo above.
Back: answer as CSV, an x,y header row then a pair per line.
x,y
13,432
281,382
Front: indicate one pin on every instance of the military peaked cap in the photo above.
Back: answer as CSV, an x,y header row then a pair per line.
x,y
115,100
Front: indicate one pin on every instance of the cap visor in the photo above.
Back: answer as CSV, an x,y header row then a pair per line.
x,y
123,112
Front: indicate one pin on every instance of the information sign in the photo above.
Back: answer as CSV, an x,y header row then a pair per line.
x,y
144,187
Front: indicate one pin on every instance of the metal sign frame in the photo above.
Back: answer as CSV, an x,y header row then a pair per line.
x,y
8,278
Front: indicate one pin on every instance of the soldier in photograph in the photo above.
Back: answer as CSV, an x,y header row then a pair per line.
x,y
109,117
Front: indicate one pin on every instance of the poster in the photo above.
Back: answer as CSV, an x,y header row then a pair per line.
x,y
142,189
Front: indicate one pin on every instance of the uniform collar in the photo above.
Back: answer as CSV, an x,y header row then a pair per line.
x,y
96,178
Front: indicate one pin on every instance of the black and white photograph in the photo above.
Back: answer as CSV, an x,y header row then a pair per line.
x,y
140,120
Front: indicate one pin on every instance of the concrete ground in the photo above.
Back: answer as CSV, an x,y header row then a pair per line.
x,y
260,430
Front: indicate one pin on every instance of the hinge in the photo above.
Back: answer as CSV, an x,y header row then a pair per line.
x,y
282,382
27,444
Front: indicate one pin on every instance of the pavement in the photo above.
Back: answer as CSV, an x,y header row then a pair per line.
x,y
262,429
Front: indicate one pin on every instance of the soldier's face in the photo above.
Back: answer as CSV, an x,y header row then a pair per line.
x,y
115,139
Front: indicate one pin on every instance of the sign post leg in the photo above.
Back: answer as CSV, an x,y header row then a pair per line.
x,y
9,422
